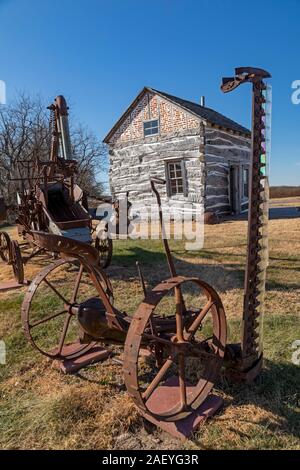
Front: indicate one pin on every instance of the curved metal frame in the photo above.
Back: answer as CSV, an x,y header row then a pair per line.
x,y
136,336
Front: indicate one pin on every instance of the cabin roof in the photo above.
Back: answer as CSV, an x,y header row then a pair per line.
x,y
208,114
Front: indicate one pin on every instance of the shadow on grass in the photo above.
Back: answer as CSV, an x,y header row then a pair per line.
x,y
280,286
222,277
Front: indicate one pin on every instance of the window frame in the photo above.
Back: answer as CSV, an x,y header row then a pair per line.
x,y
158,127
169,178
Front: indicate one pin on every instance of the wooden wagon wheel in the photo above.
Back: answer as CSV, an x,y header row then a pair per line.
x,y
193,362
5,247
17,262
50,307
104,246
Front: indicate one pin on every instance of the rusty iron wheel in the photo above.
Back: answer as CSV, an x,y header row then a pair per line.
x,y
50,307
17,262
5,247
190,354
104,246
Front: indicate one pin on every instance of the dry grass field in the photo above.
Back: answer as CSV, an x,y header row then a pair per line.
x,y
40,408
285,202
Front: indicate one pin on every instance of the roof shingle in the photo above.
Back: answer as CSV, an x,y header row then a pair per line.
x,y
205,113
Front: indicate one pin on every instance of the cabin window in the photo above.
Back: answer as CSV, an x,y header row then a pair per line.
x,y
151,127
245,183
175,178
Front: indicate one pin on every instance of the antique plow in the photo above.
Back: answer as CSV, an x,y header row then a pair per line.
x,y
247,357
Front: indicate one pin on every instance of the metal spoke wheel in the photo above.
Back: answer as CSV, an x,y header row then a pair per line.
x,y
187,351
51,304
5,247
104,245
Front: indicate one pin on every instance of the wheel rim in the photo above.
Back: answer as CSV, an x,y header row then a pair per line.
x,y
5,247
175,364
48,317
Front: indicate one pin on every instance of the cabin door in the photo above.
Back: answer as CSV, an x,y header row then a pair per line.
x,y
234,189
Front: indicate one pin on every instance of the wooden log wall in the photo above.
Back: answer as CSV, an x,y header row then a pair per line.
x,y
132,164
224,149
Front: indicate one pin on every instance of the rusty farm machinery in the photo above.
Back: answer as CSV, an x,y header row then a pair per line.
x,y
180,325
166,325
49,200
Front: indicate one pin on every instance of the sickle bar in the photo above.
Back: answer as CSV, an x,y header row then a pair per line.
x,y
257,252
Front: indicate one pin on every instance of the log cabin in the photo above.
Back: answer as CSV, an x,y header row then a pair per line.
x,y
202,155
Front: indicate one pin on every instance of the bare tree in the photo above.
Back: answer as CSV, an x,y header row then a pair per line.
x,y
91,155
23,131
25,134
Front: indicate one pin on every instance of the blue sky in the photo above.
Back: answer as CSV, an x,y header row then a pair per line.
x,y
99,54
